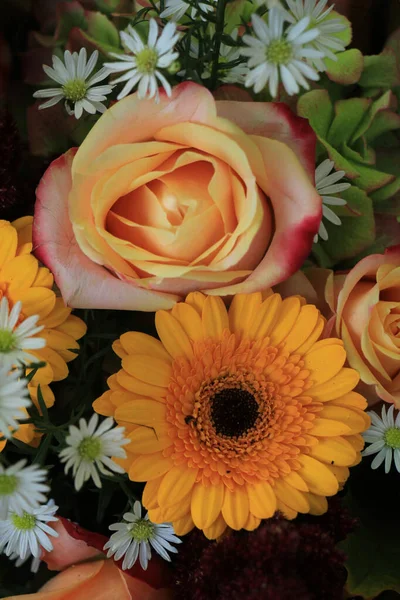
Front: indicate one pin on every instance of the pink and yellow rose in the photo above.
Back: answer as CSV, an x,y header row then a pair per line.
x,y
367,306
188,194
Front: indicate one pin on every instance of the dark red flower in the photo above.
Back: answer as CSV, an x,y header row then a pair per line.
x,y
281,560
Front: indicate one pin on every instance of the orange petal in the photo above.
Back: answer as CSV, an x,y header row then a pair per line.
x,y
262,500
235,509
206,504
149,466
215,318
177,483
172,335
293,498
318,477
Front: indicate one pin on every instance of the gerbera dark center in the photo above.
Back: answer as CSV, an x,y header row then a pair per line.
x,y
233,412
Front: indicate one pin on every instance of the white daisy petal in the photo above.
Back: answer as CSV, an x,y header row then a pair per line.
x,y
384,437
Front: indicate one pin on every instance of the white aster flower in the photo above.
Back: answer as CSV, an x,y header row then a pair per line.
x,y
21,488
134,536
77,87
17,340
384,437
35,564
27,534
327,183
327,42
275,54
14,397
89,450
175,9
143,66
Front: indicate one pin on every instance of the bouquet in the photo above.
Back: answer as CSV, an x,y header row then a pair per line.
x,y
199,303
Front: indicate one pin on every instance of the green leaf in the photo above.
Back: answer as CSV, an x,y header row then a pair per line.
x,y
316,106
379,71
348,67
371,179
234,12
384,121
356,233
375,108
42,404
102,30
348,115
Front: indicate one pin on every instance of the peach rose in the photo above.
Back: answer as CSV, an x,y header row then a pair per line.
x,y
86,573
188,194
367,303
98,580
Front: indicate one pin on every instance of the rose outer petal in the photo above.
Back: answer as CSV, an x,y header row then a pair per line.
x,y
83,283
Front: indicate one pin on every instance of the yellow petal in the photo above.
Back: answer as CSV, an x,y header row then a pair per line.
x,y
324,362
318,504
118,349
318,477
335,451
293,498
196,300
150,369
60,342
184,525
139,387
73,326
149,497
19,272
345,381
177,483
242,311
60,369
179,510
356,420
59,315
173,336
235,508
252,523
149,466
314,336
206,504
262,499
216,529
147,440
35,301
303,328
134,342
287,512
43,278
215,318
288,315
296,481
351,400
8,242
329,428
142,412
190,320
341,474
103,405
266,318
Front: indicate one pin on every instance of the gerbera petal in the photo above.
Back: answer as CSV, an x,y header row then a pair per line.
x,y
206,504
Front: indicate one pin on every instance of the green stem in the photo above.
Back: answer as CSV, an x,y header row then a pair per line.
x,y
219,30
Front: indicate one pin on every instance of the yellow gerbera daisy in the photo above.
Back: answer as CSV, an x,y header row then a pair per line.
x,y
22,279
235,414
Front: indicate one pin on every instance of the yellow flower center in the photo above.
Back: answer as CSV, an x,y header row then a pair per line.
x,y
7,341
146,61
142,530
89,448
75,89
279,52
8,484
392,437
23,522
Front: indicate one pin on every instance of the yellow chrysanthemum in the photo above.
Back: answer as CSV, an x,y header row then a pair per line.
x,y
22,279
233,415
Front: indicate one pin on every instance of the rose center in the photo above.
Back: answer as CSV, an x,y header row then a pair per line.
x,y
233,412
75,89
8,484
279,52
7,340
89,448
392,437
146,60
142,530
24,522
